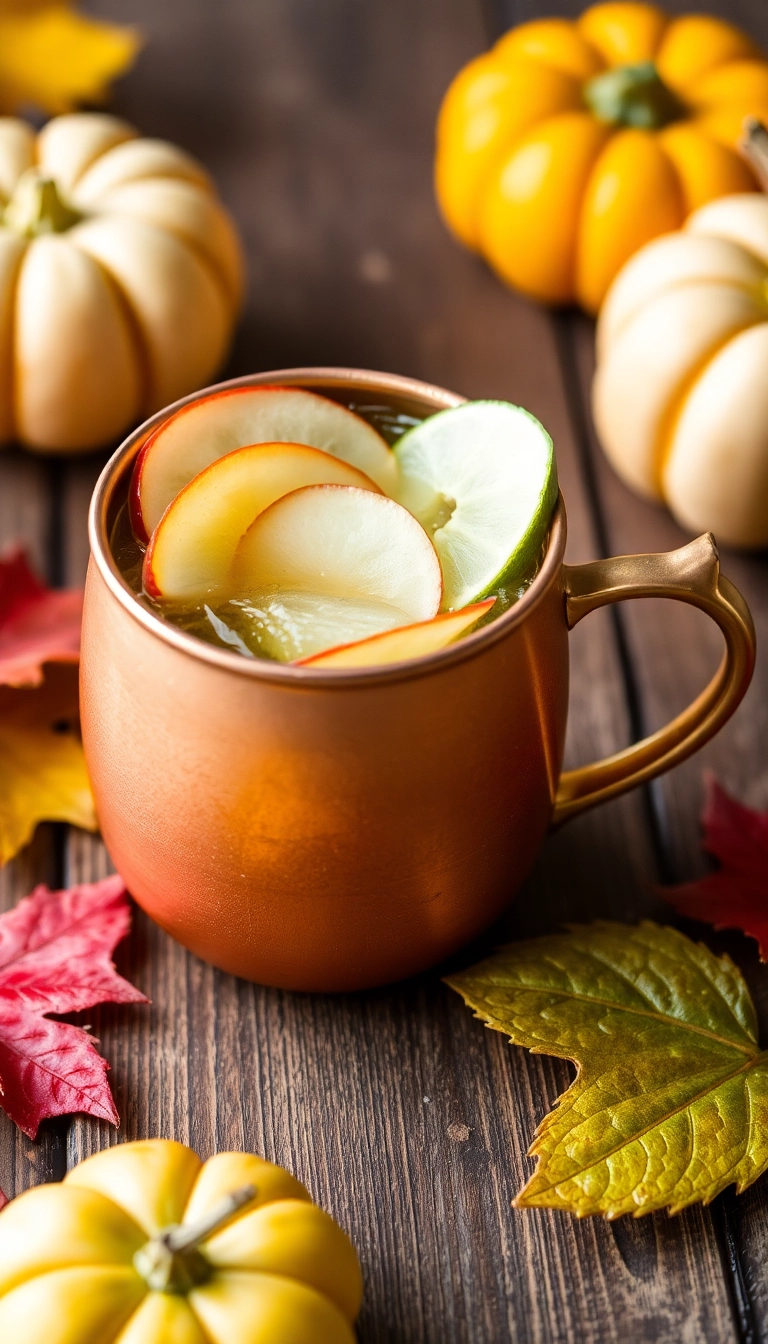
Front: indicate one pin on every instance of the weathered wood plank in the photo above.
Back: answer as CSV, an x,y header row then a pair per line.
x,y
26,519
674,650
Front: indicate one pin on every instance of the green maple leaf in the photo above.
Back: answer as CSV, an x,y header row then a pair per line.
x,y
670,1101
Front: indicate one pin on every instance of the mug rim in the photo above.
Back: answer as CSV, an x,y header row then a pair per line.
x,y
291,675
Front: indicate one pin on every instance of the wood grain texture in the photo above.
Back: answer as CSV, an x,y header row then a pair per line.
x,y
673,650
403,1116
28,510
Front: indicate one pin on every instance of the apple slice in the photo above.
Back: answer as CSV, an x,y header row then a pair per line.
x,y
342,544
200,433
481,478
193,546
406,641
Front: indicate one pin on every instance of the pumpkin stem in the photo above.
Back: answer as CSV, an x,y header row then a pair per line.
x,y
633,95
171,1262
754,145
36,207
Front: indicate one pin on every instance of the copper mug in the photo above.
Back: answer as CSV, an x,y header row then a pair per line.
x,y
331,830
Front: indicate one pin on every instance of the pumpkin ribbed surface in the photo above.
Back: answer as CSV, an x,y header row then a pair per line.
x,y
572,143
86,1261
680,395
120,279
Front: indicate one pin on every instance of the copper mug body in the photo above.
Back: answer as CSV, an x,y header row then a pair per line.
x,y
331,830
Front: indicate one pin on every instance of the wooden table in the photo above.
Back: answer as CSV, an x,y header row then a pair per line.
x,y
406,1118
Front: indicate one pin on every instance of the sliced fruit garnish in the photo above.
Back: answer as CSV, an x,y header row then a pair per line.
x,y
338,542
408,641
481,478
293,625
200,433
193,546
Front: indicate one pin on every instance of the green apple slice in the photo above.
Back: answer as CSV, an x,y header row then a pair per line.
x,y
481,480
291,624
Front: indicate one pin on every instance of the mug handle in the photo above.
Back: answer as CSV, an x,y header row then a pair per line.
x,y
691,574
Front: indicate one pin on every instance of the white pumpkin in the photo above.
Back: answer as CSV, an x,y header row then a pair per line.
x,y
120,279
680,395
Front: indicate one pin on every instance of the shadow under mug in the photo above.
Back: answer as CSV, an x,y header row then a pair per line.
x,y
332,830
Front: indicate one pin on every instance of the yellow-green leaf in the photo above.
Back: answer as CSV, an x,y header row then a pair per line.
x,y
42,767
54,58
670,1102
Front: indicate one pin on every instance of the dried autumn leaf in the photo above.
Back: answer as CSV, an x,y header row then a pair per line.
x,y
42,767
54,58
56,957
37,624
735,897
670,1102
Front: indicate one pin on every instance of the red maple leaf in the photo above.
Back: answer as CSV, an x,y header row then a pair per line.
x,y
37,625
736,896
56,957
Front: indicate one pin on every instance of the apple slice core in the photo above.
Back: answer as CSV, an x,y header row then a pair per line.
x,y
346,543
233,418
403,642
193,546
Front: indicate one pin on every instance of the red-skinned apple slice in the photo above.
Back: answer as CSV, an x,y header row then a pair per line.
x,y
205,430
193,546
347,544
402,643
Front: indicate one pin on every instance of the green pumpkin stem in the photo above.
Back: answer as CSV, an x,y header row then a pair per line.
x,y
37,208
754,145
633,95
171,1262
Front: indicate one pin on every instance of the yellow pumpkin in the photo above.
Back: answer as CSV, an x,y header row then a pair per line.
x,y
120,279
680,395
573,143
143,1244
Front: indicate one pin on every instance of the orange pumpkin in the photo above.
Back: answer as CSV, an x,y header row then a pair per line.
x,y
573,143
